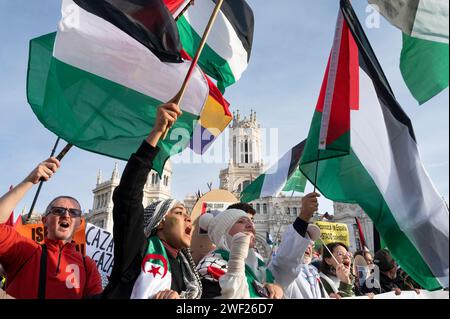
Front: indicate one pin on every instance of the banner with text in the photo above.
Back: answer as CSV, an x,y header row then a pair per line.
x,y
100,247
334,233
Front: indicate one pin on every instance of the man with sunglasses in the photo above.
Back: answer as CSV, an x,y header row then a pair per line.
x,y
54,270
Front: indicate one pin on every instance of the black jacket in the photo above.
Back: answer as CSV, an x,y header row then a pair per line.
x,y
128,216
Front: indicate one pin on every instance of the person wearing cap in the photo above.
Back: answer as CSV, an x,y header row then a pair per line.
x,y
55,269
234,270
151,252
388,276
291,266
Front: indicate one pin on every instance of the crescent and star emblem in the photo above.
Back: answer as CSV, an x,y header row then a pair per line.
x,y
155,270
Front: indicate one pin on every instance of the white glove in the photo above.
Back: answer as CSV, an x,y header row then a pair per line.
x,y
239,250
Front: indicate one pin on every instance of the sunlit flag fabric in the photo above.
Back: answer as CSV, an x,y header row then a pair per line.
x,y
229,44
98,81
424,59
272,181
296,183
225,57
382,170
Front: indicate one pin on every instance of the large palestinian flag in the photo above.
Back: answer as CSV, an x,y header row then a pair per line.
x,y
271,182
97,82
424,58
381,169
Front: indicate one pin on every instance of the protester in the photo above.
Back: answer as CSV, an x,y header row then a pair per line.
x,y
54,269
336,276
151,255
291,266
388,276
234,270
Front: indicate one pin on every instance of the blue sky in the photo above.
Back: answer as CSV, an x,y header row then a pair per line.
x,y
292,43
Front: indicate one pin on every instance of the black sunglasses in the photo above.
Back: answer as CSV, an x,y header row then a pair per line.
x,y
61,211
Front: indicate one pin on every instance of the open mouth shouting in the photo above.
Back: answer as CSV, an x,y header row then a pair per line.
x,y
347,263
188,231
64,224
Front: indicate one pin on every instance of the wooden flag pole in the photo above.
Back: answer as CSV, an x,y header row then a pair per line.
x,y
326,247
41,182
317,170
179,97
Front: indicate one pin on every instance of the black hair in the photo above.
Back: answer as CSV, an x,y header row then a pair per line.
x,y
245,207
324,266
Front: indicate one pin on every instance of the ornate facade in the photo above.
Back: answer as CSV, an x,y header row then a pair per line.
x,y
273,214
155,189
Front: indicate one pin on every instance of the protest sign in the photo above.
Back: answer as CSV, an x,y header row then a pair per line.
x,y
100,247
334,232
36,232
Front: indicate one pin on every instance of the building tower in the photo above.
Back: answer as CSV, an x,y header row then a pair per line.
x,y
245,148
155,189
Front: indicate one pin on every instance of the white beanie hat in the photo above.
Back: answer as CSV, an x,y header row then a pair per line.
x,y
218,226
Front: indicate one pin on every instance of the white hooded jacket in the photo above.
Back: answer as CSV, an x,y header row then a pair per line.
x,y
299,281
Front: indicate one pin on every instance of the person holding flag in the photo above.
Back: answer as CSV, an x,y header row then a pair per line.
x,y
54,270
291,265
151,252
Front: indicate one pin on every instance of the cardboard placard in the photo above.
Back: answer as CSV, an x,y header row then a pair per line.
x,y
36,232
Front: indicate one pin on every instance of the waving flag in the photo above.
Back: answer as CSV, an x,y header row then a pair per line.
x,y
229,45
98,81
272,181
382,171
424,58
296,183
225,58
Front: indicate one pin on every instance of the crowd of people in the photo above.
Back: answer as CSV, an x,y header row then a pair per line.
x,y
152,249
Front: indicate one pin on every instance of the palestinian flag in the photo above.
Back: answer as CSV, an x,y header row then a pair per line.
x,y
272,181
296,183
382,171
98,81
424,58
228,48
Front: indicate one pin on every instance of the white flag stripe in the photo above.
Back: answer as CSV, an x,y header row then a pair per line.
x,y
276,176
98,47
432,21
406,188
223,38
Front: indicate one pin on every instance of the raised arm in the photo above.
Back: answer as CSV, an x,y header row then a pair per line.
x,y
128,212
10,200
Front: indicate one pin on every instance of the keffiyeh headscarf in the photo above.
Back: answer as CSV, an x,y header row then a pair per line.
x,y
154,214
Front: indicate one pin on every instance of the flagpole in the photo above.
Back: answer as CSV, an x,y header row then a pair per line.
x,y
329,251
317,170
42,180
179,97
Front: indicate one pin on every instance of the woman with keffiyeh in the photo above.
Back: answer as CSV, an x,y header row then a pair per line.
x,y
151,253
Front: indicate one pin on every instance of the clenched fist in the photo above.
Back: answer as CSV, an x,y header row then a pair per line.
x,y
44,170
310,205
